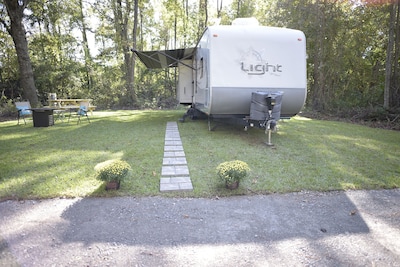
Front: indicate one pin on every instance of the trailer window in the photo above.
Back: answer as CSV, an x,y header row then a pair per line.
x,y
201,68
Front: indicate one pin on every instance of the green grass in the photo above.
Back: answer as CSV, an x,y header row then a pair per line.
x,y
308,155
59,161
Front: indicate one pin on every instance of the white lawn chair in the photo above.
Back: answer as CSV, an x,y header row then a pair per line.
x,y
82,111
24,110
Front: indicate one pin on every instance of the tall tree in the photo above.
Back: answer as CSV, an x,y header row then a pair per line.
x,y
392,90
203,15
15,27
243,9
131,79
56,49
85,43
396,61
122,14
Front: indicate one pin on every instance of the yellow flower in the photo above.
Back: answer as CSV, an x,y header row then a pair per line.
x,y
114,170
232,171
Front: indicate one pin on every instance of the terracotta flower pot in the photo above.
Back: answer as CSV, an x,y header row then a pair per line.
x,y
233,185
113,185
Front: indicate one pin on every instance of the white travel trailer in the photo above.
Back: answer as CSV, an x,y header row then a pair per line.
x,y
231,63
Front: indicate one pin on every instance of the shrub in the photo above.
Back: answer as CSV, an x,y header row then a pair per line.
x,y
7,108
232,171
113,170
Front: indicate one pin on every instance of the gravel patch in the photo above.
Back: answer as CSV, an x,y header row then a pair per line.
x,y
352,228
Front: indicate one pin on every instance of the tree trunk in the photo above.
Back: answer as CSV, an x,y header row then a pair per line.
x,y
319,85
389,58
15,10
395,97
133,61
219,8
86,49
203,16
122,14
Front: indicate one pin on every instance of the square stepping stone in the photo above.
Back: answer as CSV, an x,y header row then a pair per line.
x,y
175,161
173,148
173,142
170,154
174,170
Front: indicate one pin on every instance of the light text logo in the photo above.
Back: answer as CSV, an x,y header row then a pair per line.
x,y
253,63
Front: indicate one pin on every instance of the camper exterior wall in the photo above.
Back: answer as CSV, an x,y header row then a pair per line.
x,y
231,62
202,73
241,99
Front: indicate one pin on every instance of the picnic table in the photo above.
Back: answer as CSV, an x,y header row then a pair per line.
x,y
70,104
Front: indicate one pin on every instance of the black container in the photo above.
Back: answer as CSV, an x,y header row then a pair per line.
x,y
42,117
262,102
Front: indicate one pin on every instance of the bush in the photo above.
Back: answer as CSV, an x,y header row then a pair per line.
x,y
7,108
232,171
113,170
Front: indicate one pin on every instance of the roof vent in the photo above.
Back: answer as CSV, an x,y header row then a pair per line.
x,y
245,22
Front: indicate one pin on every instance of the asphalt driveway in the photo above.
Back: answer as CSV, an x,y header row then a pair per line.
x,y
353,228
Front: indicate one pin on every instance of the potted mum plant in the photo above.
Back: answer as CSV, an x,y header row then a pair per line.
x,y
112,172
232,172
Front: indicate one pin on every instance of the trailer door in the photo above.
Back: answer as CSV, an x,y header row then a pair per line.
x,y
185,83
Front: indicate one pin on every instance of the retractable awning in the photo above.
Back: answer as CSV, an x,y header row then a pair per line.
x,y
165,58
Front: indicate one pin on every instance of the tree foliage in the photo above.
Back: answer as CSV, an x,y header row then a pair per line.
x,y
82,48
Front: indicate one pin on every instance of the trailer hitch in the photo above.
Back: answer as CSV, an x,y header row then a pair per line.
x,y
270,122
265,111
271,126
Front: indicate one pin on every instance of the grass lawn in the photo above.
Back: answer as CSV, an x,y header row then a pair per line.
x,y
59,161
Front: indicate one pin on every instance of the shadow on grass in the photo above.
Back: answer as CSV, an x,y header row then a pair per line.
x,y
59,160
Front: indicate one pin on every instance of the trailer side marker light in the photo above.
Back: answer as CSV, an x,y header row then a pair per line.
x,y
215,35
299,39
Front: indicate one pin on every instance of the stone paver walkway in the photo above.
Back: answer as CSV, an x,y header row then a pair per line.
x,y
174,172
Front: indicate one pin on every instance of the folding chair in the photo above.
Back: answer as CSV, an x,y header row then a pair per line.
x,y
24,110
59,112
83,111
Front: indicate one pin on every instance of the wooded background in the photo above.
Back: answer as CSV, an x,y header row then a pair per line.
x,y
82,48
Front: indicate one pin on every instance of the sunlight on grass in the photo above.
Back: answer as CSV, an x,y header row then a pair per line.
x,y
59,161
308,155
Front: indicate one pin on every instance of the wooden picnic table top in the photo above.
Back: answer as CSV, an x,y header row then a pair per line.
x,y
70,103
